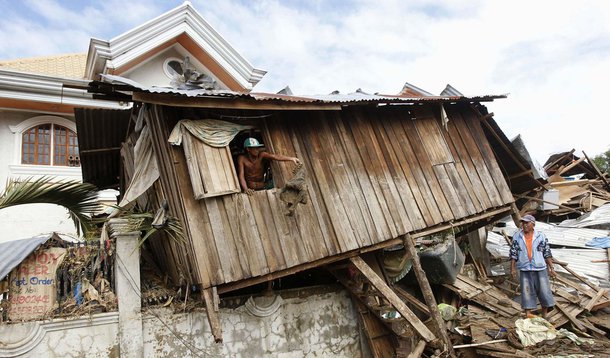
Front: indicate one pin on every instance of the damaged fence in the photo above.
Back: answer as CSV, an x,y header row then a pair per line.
x,y
46,277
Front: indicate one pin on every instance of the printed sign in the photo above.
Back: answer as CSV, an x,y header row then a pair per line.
x,y
33,290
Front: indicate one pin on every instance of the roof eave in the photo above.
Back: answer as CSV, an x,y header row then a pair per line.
x,y
42,88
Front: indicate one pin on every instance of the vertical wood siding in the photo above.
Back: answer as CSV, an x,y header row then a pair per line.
x,y
372,175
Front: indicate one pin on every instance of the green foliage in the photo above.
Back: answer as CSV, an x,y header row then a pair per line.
x,y
80,199
143,222
602,161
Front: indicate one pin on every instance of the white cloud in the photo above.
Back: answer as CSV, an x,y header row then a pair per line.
x,y
552,56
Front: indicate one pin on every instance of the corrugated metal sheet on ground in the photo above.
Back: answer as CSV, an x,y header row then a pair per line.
x,y
12,253
563,236
355,97
579,260
598,218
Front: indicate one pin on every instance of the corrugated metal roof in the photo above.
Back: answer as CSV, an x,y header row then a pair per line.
x,y
578,260
451,91
357,97
12,253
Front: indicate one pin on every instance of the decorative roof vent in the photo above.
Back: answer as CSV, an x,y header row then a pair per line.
x,y
186,78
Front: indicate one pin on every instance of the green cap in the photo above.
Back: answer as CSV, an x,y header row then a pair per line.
x,y
252,143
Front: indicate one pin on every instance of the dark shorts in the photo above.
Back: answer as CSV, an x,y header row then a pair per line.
x,y
536,284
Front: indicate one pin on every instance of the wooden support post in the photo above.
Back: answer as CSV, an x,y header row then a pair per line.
x,y
428,295
393,299
212,312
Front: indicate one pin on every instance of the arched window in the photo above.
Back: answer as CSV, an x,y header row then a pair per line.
x,y
49,144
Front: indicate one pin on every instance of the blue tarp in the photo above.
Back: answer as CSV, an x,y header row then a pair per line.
x,y
600,242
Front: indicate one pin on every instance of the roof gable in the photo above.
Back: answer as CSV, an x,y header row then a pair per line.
x,y
183,25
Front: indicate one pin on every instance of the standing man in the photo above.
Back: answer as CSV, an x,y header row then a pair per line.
x,y
250,166
531,255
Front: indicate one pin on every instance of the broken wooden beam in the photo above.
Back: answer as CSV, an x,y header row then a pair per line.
x,y
412,300
582,279
571,317
571,165
594,300
427,293
418,350
393,299
549,202
597,171
480,344
210,297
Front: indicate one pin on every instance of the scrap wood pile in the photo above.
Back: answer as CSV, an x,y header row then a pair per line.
x,y
578,182
491,320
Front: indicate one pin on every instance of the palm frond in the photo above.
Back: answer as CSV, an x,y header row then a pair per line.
x,y
143,222
80,199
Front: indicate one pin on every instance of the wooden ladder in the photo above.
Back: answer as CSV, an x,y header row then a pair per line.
x,y
365,284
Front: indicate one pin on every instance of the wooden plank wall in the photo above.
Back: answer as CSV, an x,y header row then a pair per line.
x,y
373,174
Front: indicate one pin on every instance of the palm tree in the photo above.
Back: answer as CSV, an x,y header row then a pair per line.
x,y
80,199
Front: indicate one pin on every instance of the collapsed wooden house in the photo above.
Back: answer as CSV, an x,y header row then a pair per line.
x,y
379,169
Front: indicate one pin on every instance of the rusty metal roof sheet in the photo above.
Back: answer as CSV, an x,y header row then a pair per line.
x,y
357,97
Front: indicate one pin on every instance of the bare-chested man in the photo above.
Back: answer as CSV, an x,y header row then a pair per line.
x,y
250,166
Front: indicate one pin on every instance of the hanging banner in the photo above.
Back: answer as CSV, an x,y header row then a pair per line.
x,y
33,286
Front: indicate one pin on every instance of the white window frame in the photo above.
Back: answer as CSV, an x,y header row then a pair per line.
x,y
32,170
166,68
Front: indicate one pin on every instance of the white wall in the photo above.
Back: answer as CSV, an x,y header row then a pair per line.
x,y
28,220
150,73
321,325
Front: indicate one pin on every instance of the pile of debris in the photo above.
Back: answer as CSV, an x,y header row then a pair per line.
x,y
85,280
575,186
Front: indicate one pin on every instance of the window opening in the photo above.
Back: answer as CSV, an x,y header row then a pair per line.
x,y
237,149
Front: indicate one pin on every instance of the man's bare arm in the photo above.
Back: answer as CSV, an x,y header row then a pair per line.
x,y
280,158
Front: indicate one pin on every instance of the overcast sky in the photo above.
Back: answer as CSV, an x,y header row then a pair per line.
x,y
552,57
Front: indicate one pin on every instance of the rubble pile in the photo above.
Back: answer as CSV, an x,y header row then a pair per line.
x,y
575,186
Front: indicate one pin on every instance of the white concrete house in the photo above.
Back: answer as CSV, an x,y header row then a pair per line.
x,y
38,136
38,97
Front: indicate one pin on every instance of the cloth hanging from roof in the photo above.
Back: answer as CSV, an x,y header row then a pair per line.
x,y
213,132
146,171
